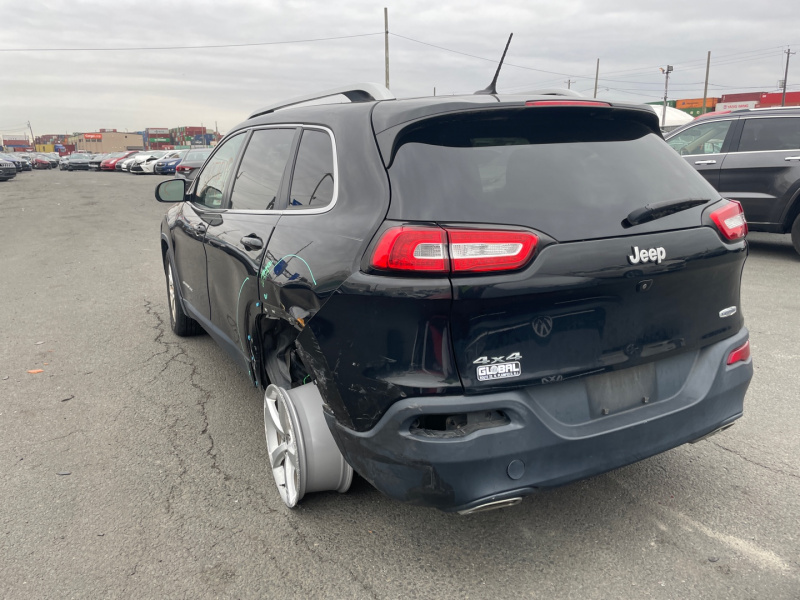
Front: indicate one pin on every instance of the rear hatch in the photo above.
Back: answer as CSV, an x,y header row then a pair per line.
x,y
609,285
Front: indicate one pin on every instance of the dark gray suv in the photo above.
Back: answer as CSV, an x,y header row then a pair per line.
x,y
752,156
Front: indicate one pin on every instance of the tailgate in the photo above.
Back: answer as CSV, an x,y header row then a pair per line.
x,y
583,308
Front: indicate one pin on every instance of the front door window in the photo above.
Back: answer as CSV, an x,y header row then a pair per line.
x,y
216,175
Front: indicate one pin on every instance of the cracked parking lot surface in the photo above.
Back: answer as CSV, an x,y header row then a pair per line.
x,y
168,492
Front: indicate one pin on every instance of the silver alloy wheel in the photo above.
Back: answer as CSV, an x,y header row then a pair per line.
x,y
283,434
302,453
171,290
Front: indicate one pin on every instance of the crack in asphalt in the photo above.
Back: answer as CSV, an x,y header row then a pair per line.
x,y
753,462
180,355
60,437
316,552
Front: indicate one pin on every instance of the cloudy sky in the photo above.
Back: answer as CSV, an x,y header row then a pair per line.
x,y
282,49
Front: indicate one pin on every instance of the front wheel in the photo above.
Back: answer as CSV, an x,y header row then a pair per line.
x,y
796,234
181,323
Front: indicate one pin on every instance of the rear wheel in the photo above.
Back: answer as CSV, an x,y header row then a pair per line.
x,y
303,455
796,234
182,324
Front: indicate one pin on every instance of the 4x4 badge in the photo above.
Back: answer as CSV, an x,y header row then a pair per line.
x,y
542,326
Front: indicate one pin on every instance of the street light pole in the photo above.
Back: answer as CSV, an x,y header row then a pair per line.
x,y
666,72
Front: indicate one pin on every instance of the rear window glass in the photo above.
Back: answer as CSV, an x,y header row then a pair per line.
x,y
569,175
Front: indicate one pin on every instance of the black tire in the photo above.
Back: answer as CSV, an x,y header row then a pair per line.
x,y
796,234
181,324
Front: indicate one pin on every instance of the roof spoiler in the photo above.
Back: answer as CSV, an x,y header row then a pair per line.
x,y
551,92
355,92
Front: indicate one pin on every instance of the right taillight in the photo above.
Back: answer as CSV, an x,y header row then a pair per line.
x,y
730,221
432,249
741,354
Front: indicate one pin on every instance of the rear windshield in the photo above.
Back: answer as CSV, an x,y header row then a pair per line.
x,y
197,156
564,172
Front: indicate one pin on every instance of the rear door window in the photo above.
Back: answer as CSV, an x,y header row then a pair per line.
x,y
258,180
313,178
774,133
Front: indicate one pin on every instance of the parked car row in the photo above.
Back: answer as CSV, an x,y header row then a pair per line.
x,y
182,163
7,169
161,162
19,163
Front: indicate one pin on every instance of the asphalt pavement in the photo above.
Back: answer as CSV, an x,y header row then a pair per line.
x,y
134,464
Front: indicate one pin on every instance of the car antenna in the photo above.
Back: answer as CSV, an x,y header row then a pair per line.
x,y
492,88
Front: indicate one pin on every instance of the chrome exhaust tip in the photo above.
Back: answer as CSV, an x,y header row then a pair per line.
x,y
491,506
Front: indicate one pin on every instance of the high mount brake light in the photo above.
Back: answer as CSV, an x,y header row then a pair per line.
x,y
436,250
730,221
565,103
741,354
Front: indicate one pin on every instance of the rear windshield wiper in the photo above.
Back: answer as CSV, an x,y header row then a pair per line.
x,y
654,211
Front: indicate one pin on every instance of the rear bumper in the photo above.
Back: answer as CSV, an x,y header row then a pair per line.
x,y
541,444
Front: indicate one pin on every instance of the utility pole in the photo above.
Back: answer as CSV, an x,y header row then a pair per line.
x,y
386,41
666,72
705,88
569,83
786,75
33,139
596,76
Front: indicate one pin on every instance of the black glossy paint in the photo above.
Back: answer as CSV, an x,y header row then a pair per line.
x,y
288,295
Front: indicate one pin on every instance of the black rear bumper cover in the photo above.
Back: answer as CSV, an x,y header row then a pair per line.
x,y
459,473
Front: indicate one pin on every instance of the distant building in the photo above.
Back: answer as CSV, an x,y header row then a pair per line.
x,y
15,143
107,140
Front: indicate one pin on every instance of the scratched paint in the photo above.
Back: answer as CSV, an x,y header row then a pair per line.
x,y
239,333
265,271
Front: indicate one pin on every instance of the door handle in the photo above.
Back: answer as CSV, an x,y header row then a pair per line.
x,y
705,162
252,242
792,158
201,228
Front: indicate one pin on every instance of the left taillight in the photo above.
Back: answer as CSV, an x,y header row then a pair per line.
x,y
429,249
730,221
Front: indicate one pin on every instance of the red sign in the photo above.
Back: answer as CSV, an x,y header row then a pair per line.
x,y
93,136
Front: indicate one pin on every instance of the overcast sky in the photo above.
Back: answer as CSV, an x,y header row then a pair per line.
x,y
556,40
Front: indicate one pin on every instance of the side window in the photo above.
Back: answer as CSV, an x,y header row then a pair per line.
x,y
706,138
215,175
258,180
312,182
779,133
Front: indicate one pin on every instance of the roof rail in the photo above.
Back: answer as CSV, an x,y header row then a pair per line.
x,y
355,92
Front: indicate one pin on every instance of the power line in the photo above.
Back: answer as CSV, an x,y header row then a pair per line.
x,y
326,39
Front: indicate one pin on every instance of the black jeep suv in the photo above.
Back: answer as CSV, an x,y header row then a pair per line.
x,y
752,156
465,299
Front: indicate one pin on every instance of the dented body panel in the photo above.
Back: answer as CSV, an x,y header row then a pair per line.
x,y
455,389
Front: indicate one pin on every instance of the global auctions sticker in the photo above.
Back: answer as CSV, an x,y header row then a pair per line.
x,y
499,371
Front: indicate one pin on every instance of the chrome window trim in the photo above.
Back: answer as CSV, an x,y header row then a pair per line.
x,y
791,150
299,211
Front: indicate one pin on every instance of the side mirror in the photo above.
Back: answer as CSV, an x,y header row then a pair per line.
x,y
173,190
